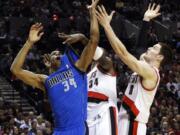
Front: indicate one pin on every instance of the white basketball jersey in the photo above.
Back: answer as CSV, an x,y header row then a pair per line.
x,y
137,100
103,83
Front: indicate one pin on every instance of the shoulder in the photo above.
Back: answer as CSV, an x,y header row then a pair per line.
x,y
151,82
78,67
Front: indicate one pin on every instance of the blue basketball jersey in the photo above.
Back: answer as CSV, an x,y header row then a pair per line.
x,y
67,92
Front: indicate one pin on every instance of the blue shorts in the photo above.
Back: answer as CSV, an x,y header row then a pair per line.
x,y
80,130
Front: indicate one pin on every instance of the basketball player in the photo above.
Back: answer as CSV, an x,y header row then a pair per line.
x,y
143,84
67,85
103,74
102,92
102,96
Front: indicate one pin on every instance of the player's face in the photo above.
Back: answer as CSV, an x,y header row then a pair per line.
x,y
55,59
109,59
106,61
152,53
110,62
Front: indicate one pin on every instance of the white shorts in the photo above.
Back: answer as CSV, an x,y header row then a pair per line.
x,y
127,127
104,123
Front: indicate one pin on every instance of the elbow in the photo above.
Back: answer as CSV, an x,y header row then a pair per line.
x,y
14,70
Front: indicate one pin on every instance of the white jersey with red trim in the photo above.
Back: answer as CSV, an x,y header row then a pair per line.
x,y
137,99
102,99
101,82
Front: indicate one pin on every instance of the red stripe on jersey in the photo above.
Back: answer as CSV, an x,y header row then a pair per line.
x,y
135,127
115,117
97,95
131,105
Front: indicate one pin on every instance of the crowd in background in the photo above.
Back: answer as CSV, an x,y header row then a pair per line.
x,y
14,122
16,17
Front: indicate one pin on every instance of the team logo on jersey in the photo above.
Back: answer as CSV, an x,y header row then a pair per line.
x,y
60,77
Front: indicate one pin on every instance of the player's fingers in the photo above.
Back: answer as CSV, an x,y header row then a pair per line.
x,y
149,6
33,26
153,6
36,26
112,13
39,24
157,8
100,10
41,34
62,35
88,6
98,15
47,57
40,28
158,14
96,1
104,10
66,41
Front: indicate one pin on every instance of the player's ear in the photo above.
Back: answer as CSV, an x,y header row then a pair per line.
x,y
160,57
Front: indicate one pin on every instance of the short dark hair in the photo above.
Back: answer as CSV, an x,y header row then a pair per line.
x,y
167,52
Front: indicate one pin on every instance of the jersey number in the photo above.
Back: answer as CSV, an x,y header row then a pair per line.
x,y
133,80
131,89
93,82
69,83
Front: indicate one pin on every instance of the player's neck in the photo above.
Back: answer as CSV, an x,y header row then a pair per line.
x,y
155,64
112,71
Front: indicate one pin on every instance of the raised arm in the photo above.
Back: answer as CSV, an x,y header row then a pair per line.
x,y
89,50
150,14
100,53
142,68
30,78
73,38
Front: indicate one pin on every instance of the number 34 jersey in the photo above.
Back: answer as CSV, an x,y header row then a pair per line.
x,y
101,82
137,99
67,92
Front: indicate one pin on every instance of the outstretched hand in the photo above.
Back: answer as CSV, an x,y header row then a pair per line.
x,y
47,60
103,17
93,4
70,39
35,32
152,12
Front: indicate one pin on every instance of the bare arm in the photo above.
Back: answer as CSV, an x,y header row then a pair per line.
x,y
150,14
30,78
88,52
142,68
103,61
73,38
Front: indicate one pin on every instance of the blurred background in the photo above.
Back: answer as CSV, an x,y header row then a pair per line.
x,y
25,110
